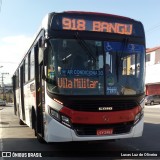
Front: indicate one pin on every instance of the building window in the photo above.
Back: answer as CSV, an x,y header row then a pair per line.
x,y
148,58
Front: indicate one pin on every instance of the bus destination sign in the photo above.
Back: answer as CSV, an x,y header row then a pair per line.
x,y
96,26
77,83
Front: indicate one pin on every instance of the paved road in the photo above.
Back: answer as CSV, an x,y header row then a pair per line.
x,y
152,114
14,137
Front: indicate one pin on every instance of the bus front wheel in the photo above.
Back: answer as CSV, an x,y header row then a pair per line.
x,y
39,138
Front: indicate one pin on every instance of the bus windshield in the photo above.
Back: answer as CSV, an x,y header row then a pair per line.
x,y
92,67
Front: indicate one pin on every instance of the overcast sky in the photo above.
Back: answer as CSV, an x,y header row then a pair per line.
x,y
20,19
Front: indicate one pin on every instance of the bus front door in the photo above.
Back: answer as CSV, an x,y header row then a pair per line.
x,y
40,101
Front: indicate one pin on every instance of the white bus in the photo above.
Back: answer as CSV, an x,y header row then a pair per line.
x,y
82,78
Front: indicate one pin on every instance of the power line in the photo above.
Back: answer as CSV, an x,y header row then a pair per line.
x,y
155,27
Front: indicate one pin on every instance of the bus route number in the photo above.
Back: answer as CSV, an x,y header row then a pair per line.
x,y
74,24
96,26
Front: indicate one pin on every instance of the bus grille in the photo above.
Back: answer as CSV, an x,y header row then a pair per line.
x,y
94,107
121,128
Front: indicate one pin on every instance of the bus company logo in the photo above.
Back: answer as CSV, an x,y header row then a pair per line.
x,y
105,108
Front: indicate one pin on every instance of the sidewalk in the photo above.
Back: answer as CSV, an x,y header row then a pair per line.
x,y
7,105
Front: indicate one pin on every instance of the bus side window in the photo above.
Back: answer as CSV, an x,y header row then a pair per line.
x,y
51,64
31,64
26,69
17,79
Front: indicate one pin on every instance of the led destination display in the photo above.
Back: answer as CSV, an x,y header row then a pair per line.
x,y
76,83
97,26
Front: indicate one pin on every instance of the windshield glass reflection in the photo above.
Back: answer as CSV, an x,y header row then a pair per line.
x,y
92,67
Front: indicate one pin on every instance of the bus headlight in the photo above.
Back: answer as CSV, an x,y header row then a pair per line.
x,y
55,114
66,121
59,117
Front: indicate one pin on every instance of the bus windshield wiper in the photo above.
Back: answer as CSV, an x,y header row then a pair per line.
x,y
84,45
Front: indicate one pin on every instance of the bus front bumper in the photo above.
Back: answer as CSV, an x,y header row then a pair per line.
x,y
57,132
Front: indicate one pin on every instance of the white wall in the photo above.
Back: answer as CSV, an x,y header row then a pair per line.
x,y
152,59
152,73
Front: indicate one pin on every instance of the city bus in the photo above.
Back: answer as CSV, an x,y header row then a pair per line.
x,y
82,78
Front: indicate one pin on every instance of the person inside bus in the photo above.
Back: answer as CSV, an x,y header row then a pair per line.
x,y
107,69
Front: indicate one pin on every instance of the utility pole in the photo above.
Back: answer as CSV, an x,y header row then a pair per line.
x,y
0,77
3,87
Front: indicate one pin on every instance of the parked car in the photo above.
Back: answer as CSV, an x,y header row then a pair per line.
x,y
152,99
2,102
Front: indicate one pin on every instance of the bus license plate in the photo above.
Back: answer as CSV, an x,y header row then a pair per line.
x,y
104,132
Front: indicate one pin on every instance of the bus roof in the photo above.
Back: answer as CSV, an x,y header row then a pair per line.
x,y
97,14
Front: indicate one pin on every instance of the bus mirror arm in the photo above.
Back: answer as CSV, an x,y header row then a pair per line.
x,y
51,81
44,64
45,57
43,74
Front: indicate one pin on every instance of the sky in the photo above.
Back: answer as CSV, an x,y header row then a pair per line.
x,y
20,20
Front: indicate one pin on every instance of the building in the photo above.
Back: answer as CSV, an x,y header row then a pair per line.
x,y
6,88
153,71
6,92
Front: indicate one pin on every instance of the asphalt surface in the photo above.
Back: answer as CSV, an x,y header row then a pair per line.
x,y
14,137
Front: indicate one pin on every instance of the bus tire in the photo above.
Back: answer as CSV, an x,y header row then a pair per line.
x,y
39,138
33,118
21,122
35,129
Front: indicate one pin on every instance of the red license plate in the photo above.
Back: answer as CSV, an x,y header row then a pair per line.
x,y
104,132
